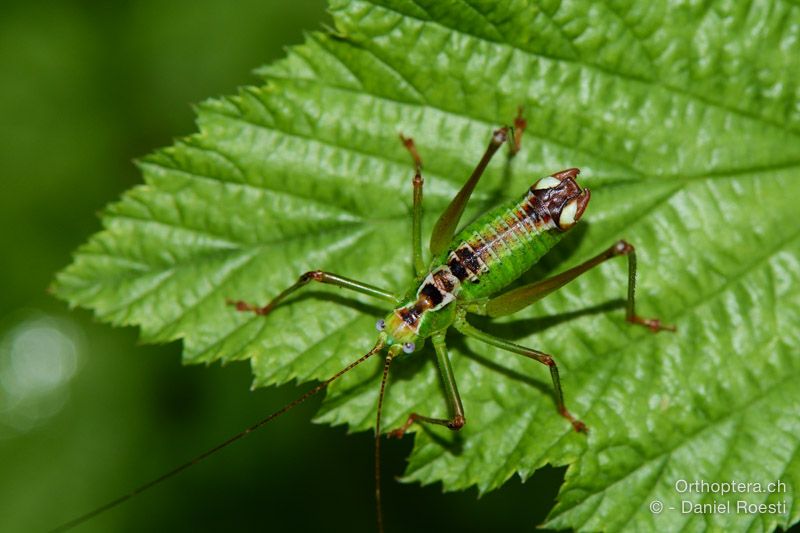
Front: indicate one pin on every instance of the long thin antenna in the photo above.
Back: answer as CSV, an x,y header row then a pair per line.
x,y
113,503
378,505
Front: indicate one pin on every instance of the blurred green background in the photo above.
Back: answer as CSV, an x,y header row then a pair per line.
x,y
86,412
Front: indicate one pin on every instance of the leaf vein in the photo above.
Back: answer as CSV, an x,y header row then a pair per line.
x,y
604,70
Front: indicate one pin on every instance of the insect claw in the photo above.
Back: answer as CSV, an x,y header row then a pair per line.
x,y
408,143
519,121
653,324
397,433
516,132
243,306
577,425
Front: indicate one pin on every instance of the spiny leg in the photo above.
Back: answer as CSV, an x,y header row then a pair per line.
x,y
514,300
464,327
322,277
457,420
416,226
445,227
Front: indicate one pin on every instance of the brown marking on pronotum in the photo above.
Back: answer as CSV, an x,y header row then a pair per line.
x,y
429,297
409,315
442,279
432,293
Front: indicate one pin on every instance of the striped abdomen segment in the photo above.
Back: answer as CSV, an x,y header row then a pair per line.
x,y
500,246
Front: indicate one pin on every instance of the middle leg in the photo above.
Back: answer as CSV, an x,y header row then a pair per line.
x,y
457,420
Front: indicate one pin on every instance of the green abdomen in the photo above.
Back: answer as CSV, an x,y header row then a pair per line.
x,y
499,247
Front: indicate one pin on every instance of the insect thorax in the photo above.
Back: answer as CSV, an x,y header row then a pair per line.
x,y
489,254
427,308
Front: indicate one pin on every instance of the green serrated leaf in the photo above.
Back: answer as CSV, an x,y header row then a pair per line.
x,y
684,118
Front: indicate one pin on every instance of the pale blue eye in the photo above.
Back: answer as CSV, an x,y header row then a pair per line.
x,y
380,325
409,347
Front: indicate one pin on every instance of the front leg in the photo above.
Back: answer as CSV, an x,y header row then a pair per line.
x,y
321,277
416,213
457,420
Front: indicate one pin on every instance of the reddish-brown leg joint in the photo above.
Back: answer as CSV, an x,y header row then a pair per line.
x,y
457,423
316,275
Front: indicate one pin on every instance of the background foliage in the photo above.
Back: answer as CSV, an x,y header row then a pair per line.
x,y
654,102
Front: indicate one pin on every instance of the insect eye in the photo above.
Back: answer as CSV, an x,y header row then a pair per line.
x,y
409,347
380,325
